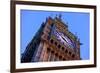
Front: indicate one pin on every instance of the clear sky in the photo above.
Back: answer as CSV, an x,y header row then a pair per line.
x,y
78,23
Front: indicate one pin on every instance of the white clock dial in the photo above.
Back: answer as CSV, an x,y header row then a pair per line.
x,y
63,38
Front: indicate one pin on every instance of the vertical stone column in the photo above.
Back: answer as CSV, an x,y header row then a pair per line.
x,y
53,56
49,55
38,52
42,57
46,55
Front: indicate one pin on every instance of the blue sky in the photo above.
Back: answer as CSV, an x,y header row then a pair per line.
x,y
78,23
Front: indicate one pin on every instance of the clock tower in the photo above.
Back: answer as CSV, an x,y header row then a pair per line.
x,y
52,42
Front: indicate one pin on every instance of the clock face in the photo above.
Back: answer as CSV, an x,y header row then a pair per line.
x,y
63,38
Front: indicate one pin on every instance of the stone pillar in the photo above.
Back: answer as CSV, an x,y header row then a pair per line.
x,y
38,52
43,52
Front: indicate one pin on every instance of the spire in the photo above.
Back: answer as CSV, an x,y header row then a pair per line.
x,y
60,16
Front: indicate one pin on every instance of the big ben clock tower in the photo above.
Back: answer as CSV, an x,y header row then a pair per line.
x,y
52,42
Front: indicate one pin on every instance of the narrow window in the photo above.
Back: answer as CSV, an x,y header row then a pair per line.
x,y
55,43
51,41
64,59
73,56
59,46
63,48
69,52
60,57
66,51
